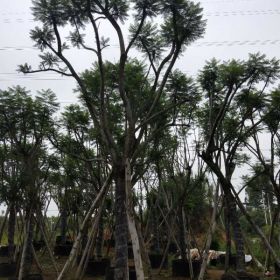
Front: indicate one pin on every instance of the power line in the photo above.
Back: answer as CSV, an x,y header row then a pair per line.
x,y
225,1
37,79
236,43
210,14
197,44
243,13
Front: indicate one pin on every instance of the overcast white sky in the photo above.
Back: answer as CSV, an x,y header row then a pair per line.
x,y
234,29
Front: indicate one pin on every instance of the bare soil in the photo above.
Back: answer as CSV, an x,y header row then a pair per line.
x,y
49,271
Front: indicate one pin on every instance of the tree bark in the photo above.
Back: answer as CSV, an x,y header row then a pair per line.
x,y
182,234
121,226
228,236
11,231
99,238
63,225
237,233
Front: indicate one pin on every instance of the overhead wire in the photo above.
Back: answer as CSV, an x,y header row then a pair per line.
x,y
207,14
196,44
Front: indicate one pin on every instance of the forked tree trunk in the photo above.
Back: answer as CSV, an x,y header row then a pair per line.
x,y
121,226
11,231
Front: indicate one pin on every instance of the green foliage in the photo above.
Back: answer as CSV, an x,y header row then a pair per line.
x,y
25,123
259,188
193,193
137,88
272,117
182,88
183,22
42,36
232,90
149,40
208,77
25,120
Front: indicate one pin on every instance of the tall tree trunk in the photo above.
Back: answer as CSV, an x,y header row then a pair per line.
x,y
11,231
182,233
63,224
154,218
228,236
237,233
99,239
121,226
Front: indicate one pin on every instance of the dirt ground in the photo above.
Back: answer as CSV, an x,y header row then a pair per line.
x,y
49,271
212,274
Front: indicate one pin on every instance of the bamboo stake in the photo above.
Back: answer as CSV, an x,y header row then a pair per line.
x,y
210,233
131,224
164,254
51,237
47,244
92,242
76,244
36,260
22,262
143,251
89,245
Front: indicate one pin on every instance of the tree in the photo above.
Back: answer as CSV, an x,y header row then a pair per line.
x,y
268,158
234,99
25,123
10,190
82,168
162,45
